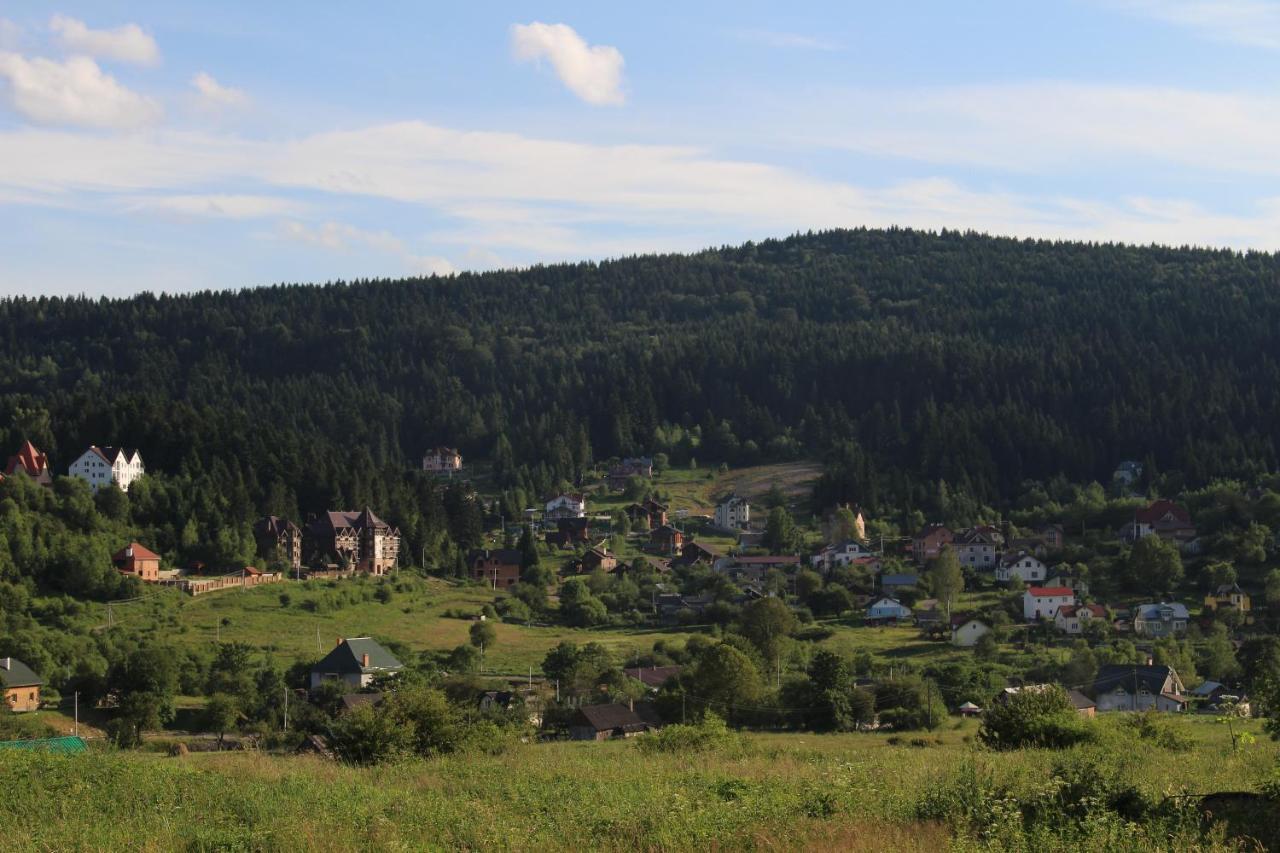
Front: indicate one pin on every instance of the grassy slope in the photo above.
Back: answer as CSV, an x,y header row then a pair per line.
x,y
849,792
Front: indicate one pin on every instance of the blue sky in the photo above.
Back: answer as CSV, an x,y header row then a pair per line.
x,y
166,146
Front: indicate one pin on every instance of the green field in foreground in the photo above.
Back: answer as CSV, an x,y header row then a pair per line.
x,y
767,791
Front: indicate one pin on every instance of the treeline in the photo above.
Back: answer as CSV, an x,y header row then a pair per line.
x,y
907,359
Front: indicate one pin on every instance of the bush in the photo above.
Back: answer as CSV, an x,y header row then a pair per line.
x,y
1158,728
1041,717
709,734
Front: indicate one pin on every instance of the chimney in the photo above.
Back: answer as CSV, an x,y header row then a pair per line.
x,y
339,642
6,663
1150,660
364,660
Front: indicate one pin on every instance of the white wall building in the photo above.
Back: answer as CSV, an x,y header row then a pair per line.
x,y
566,506
100,466
966,632
1043,602
1021,565
733,513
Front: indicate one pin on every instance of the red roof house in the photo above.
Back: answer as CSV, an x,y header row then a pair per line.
x,y
135,559
30,461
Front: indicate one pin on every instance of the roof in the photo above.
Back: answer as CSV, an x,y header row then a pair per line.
x,y
899,580
134,551
653,676
606,718
1208,688
886,601
351,701
348,655
274,525
64,745
766,561
1229,589
969,706
930,529
1128,676
1157,611
1069,610
29,459
15,673
1011,557
504,556
962,619
1079,700
1159,509
110,454
339,519
1049,591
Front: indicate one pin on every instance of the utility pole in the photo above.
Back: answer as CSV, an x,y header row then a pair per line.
x,y
317,639
286,708
110,620
77,713
557,691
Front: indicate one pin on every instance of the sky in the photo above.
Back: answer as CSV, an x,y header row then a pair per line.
x,y
167,146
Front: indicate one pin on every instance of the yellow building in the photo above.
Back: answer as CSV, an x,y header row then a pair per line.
x,y
21,686
1228,595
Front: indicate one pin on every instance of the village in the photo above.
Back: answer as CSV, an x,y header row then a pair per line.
x,y
975,589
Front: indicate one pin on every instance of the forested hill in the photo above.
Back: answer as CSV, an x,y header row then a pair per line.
x,y
908,357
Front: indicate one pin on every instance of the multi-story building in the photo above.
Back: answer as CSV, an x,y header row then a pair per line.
x,y
565,506
498,568
442,460
101,466
279,537
358,541
139,561
733,513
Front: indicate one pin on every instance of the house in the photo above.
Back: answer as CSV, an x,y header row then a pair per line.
x,y
1084,706
599,558
649,515
1021,565
667,540
1078,585
353,701
1162,518
32,463
887,610
139,561
1052,535
1213,696
21,686
1043,602
621,474
1127,473
498,568
695,552
733,513
356,541
1166,619
840,554
978,547
355,662
565,506
928,614
754,569
653,677
101,466
892,584
1074,618
927,544
968,709
604,722
570,532
967,630
445,461
279,536
1130,687
1228,595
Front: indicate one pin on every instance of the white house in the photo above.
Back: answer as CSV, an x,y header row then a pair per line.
x,y
887,610
966,631
1074,618
1021,565
733,513
1042,602
100,466
841,554
355,662
566,506
442,460
977,548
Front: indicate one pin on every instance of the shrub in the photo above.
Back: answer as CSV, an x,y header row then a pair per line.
x,y
709,734
1043,717
1157,728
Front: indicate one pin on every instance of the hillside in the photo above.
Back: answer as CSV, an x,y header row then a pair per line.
x,y
903,357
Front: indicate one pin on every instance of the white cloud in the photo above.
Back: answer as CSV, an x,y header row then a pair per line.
x,y
217,206
795,41
74,92
216,93
592,72
338,236
1248,22
10,34
128,43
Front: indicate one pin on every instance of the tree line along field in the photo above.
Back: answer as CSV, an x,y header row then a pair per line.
x,y
753,791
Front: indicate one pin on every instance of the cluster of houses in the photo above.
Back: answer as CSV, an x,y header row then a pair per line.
x,y
97,466
334,542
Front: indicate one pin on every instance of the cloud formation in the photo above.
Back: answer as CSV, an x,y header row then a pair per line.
x,y
592,72
127,43
795,41
338,236
1248,22
217,206
73,92
215,93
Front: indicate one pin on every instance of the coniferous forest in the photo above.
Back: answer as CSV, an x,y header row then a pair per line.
x,y
903,359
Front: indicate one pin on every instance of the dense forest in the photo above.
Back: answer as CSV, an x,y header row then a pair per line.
x,y
905,359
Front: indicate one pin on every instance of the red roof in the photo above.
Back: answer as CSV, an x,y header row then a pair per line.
x,y
135,551
28,458
1159,509
1047,591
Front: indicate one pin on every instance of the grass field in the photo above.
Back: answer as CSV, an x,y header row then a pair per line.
x,y
766,792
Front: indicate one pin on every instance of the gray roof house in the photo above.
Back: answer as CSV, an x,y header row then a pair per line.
x,y
355,662
1165,619
1128,687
